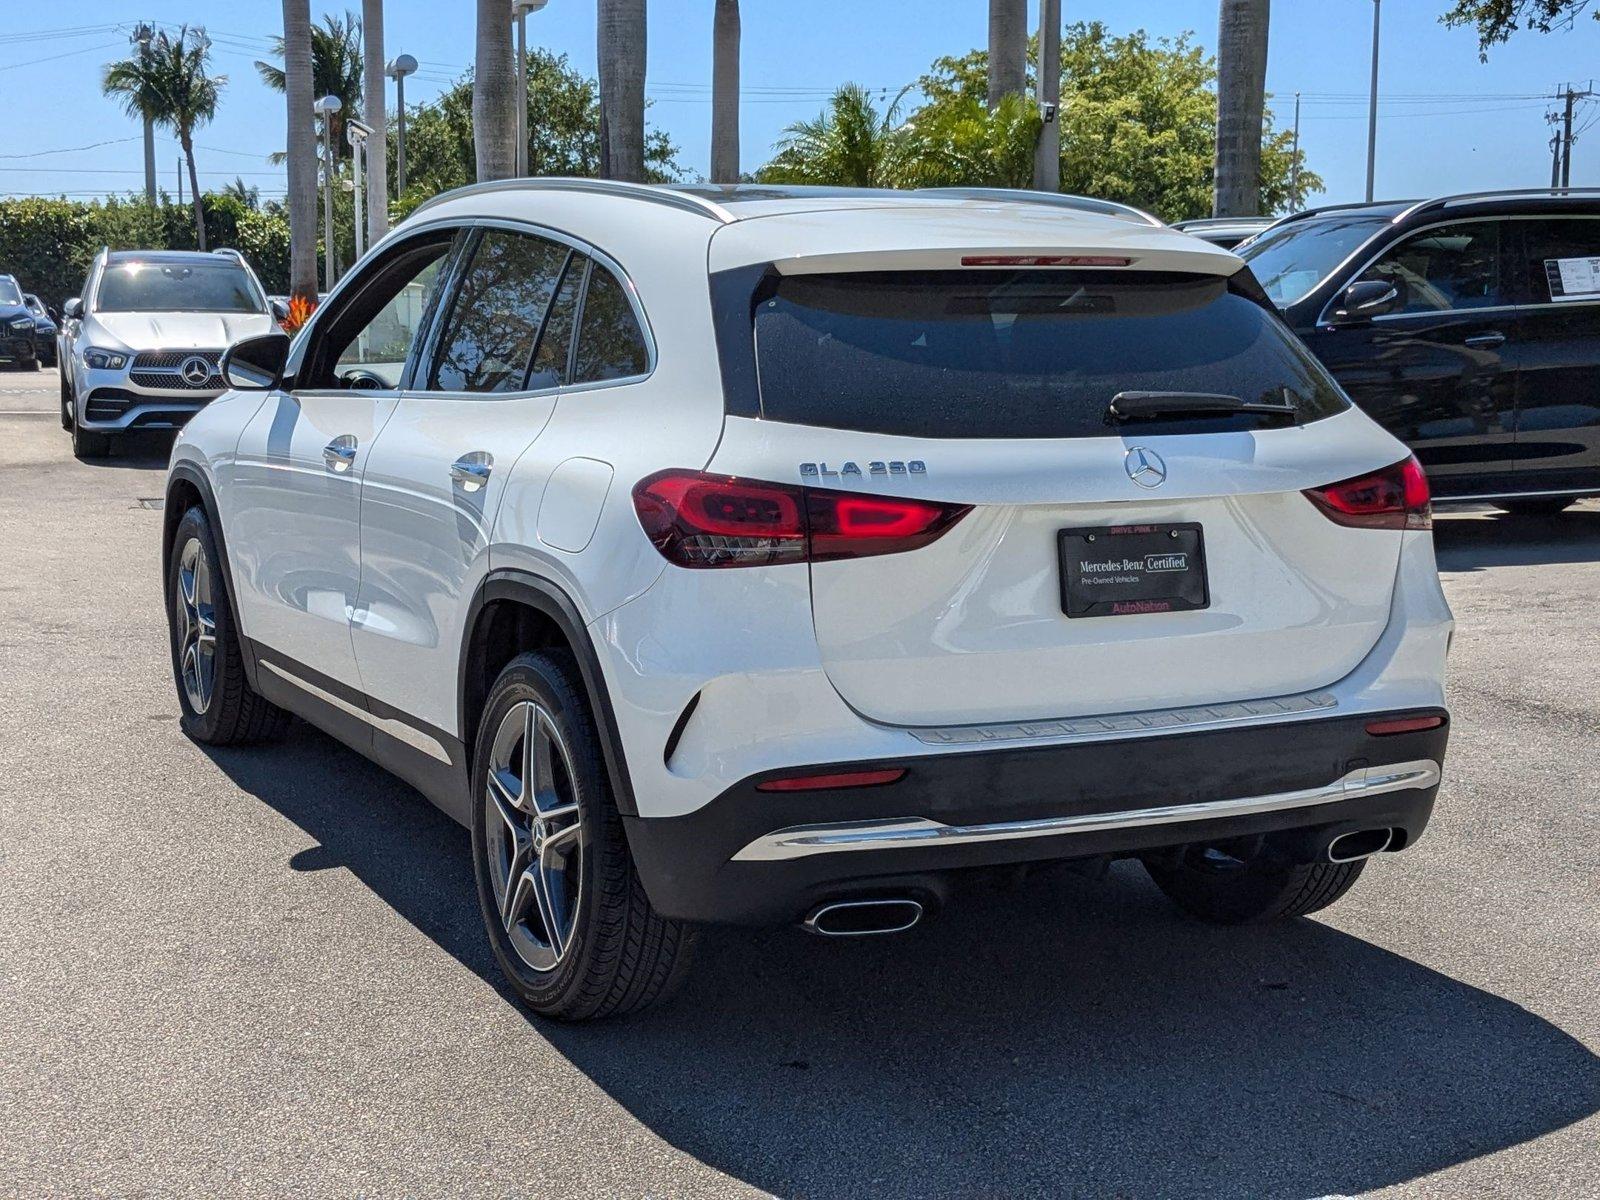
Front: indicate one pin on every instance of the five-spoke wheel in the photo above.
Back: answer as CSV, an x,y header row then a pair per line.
x,y
196,620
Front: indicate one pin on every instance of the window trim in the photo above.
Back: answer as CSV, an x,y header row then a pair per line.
x,y
474,225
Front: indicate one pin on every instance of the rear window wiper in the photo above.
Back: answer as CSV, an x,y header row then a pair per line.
x,y
1150,406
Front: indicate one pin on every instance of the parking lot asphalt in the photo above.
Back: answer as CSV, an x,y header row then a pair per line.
x,y
262,971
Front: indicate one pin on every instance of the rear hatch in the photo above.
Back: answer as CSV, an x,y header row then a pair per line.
x,y
1163,556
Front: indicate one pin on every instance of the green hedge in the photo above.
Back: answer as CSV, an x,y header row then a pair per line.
x,y
49,244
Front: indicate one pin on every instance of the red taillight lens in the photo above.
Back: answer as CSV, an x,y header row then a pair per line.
x,y
1396,497
842,779
701,520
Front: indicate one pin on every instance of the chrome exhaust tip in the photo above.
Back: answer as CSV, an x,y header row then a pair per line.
x,y
861,918
1363,843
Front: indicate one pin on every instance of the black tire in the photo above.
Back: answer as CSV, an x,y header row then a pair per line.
x,y
67,403
36,364
1544,506
1248,885
620,954
88,444
235,714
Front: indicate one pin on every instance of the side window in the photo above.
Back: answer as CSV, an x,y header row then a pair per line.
x,y
378,351
610,343
1447,268
1562,259
486,344
555,343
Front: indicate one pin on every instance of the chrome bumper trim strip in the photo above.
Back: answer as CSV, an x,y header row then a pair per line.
x,y
802,840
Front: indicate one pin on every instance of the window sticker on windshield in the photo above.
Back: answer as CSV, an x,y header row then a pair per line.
x,y
1573,278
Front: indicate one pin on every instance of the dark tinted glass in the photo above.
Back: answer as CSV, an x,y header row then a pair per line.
x,y
1013,354
610,343
555,343
195,286
1445,269
487,341
1561,259
1294,258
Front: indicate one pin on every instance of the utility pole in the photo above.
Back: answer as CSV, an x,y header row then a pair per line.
x,y
1555,153
180,181
1047,152
1294,163
143,35
1372,102
1572,98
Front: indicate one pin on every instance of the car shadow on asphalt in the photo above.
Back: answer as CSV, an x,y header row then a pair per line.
x,y
1502,540
1066,1037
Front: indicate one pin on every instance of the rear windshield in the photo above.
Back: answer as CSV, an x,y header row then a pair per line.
x,y
198,286
1018,354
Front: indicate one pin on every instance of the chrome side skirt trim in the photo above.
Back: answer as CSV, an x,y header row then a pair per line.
x,y
802,840
1440,501
1198,716
398,730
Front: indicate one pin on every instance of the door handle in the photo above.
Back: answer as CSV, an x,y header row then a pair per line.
x,y
340,453
1485,341
472,470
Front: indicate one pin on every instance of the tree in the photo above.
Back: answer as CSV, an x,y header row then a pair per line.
x,y
170,86
247,194
377,175
850,144
1241,103
299,72
494,94
1497,20
725,92
963,143
620,33
1008,51
335,71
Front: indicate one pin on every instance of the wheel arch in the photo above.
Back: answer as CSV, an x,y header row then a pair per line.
x,y
187,487
515,611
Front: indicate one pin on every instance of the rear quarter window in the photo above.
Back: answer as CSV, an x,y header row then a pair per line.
x,y
1018,354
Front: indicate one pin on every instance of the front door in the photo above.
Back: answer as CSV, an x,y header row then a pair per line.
x,y
1437,371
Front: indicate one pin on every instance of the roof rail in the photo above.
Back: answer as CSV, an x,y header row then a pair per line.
x,y
652,193
230,252
1533,193
1107,208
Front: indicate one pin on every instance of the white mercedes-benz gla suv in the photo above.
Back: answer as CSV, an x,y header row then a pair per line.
x,y
140,347
782,556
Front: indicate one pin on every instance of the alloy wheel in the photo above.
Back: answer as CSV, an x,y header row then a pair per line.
x,y
195,616
535,834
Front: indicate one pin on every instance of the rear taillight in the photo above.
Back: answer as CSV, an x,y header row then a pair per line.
x,y
701,520
1394,498
833,781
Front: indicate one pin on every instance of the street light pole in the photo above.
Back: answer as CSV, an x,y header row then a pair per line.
x,y
520,10
1047,153
143,35
357,132
325,108
402,66
1294,163
1372,102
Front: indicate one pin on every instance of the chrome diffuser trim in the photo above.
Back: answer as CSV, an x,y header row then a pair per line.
x,y
802,840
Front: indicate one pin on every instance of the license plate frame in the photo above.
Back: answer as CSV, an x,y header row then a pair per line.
x,y
1144,578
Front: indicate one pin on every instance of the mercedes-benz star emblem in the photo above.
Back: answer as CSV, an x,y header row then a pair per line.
x,y
1145,467
195,370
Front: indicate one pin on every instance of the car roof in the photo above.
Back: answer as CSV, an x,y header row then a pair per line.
x,y
1490,203
170,256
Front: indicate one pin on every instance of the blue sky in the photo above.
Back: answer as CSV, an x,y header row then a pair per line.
x,y
1447,122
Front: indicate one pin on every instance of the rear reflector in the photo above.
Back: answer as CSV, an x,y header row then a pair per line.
x,y
1403,725
1396,497
699,520
1043,260
846,779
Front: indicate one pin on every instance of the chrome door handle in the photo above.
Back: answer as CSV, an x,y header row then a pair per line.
x,y
471,471
1485,341
340,453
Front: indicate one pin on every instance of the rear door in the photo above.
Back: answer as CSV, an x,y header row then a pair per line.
x,y
1102,568
1557,350
1439,372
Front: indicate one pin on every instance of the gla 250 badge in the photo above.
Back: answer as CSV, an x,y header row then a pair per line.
x,y
821,470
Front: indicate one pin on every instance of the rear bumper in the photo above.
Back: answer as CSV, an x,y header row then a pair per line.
x,y
754,857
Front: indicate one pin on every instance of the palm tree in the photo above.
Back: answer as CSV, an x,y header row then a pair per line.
x,y
171,87
1008,49
299,72
377,174
1241,97
850,144
725,92
247,194
620,36
494,94
335,71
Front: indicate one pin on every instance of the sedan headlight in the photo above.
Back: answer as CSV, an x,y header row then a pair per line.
x,y
105,360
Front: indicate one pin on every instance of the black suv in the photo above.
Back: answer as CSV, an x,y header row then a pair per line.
x,y
1468,325
18,343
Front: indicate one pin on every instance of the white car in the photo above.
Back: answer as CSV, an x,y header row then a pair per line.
x,y
788,556
139,349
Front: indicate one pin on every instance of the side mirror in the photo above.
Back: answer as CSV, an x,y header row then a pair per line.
x,y
1367,299
255,364
72,309
280,311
